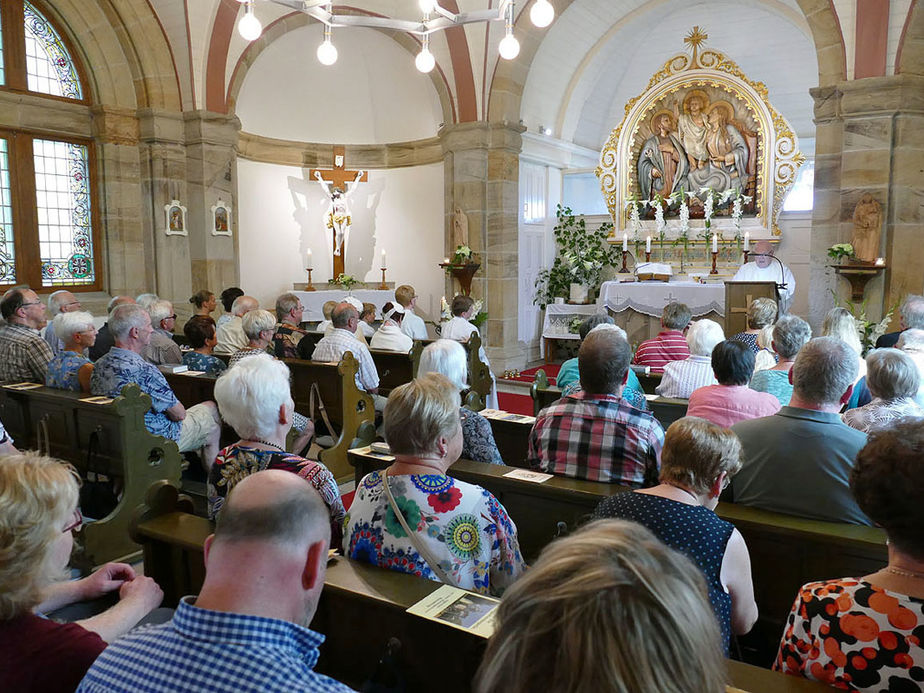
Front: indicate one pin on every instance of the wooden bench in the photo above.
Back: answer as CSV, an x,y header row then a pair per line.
x,y
512,439
394,367
57,423
361,608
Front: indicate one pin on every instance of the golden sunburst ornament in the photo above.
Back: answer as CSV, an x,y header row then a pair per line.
x,y
696,38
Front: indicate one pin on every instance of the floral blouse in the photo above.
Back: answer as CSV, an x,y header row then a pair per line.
x,y
465,528
62,370
478,442
236,462
208,364
855,636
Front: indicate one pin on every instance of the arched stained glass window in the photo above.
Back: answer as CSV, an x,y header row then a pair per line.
x,y
49,66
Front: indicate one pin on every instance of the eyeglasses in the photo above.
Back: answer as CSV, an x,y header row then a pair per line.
x,y
171,317
32,303
75,523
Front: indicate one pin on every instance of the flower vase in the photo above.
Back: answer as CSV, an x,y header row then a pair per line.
x,y
578,293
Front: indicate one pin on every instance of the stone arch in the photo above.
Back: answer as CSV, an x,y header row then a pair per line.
x,y
910,57
128,60
509,77
296,20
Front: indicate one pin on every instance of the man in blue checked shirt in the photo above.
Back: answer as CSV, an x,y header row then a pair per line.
x,y
248,628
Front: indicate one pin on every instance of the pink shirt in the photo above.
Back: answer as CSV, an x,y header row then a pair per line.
x,y
669,345
725,405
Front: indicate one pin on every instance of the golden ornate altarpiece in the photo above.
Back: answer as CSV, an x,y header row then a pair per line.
x,y
692,98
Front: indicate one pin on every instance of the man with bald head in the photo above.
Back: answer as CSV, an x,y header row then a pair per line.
x,y
104,339
59,302
332,347
764,268
230,335
248,628
595,433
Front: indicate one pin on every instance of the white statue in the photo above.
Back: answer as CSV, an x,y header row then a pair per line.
x,y
338,215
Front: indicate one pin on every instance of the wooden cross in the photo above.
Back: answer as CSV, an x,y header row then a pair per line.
x,y
749,299
338,177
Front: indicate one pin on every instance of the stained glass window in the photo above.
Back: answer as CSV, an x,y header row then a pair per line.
x,y
62,191
49,66
7,251
2,80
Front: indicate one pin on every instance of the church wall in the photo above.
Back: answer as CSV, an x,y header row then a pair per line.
x,y
398,210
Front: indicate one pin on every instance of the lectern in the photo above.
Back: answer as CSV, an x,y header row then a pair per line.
x,y
738,299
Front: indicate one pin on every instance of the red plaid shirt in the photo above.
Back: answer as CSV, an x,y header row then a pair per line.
x,y
669,345
598,438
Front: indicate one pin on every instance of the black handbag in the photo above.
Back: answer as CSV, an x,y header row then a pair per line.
x,y
97,494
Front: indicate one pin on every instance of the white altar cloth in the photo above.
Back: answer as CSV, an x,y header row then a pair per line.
x,y
651,297
314,300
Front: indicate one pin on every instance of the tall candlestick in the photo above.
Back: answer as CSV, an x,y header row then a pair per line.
x,y
747,241
648,244
383,260
715,243
309,264
625,242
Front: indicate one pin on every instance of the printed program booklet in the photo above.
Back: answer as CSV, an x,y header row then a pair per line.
x,y
459,609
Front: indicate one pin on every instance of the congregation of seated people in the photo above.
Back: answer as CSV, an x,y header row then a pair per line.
x,y
656,571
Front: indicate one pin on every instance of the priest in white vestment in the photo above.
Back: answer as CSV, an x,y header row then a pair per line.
x,y
765,268
389,336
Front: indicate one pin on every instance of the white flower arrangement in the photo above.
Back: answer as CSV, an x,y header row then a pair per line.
x,y
738,210
708,205
635,221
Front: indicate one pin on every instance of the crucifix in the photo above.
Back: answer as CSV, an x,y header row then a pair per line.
x,y
338,218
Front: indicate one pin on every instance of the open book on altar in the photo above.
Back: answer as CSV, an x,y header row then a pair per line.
x,y
653,271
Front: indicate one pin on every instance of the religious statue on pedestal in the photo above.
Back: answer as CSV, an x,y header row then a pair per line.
x,y
338,217
867,226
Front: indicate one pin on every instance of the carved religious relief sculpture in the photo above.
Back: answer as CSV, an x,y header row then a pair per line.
x,y
459,228
663,163
867,226
692,124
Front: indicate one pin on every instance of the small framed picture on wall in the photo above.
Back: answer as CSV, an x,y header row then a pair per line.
x,y
221,219
175,219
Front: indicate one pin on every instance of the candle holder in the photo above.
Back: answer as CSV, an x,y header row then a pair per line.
x,y
383,286
746,253
715,255
647,256
624,269
310,286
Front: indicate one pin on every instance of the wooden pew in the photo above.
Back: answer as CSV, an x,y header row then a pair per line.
x,y
512,439
360,609
395,368
787,552
111,438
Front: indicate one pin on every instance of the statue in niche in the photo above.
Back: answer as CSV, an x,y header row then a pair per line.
x,y
692,125
867,226
663,163
459,228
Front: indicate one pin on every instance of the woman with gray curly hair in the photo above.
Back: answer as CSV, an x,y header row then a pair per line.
x,y
790,334
893,381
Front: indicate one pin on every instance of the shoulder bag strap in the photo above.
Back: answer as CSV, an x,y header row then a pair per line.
x,y
412,536
314,400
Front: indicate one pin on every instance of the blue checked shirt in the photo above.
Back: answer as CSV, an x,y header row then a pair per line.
x,y
119,368
330,349
211,651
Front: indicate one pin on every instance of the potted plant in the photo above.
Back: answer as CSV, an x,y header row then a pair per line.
x,y
578,265
346,281
840,251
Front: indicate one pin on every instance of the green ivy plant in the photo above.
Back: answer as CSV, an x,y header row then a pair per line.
x,y
582,255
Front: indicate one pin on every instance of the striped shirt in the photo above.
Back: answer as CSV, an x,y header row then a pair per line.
x,y
669,345
598,438
211,651
682,377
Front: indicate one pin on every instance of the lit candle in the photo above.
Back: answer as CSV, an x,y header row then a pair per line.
x,y
880,261
625,242
747,241
383,260
715,243
445,260
308,260
648,244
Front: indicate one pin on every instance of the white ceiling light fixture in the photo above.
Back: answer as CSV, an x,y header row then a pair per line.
x,y
249,27
327,51
541,13
435,18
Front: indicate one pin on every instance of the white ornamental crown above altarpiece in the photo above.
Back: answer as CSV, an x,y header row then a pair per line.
x,y
700,129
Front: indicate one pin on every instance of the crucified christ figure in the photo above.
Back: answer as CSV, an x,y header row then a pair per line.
x,y
338,217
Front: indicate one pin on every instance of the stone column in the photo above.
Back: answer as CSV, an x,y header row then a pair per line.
x,y
869,139
482,174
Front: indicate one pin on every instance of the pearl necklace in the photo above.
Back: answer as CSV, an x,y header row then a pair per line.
x,y
904,573
267,443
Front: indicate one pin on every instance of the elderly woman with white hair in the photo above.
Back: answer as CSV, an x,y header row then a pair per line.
x,y
893,381
390,336
447,357
682,377
259,326
70,369
254,399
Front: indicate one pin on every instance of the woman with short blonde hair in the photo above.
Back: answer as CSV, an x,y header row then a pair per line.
x,y
761,313
259,326
38,512
698,460
609,608
413,517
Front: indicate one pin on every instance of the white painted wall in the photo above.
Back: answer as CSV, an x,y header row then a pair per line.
x,y
373,94
398,210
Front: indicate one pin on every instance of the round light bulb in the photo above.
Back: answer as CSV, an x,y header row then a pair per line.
x,y
509,47
425,60
541,13
249,26
327,53
427,5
